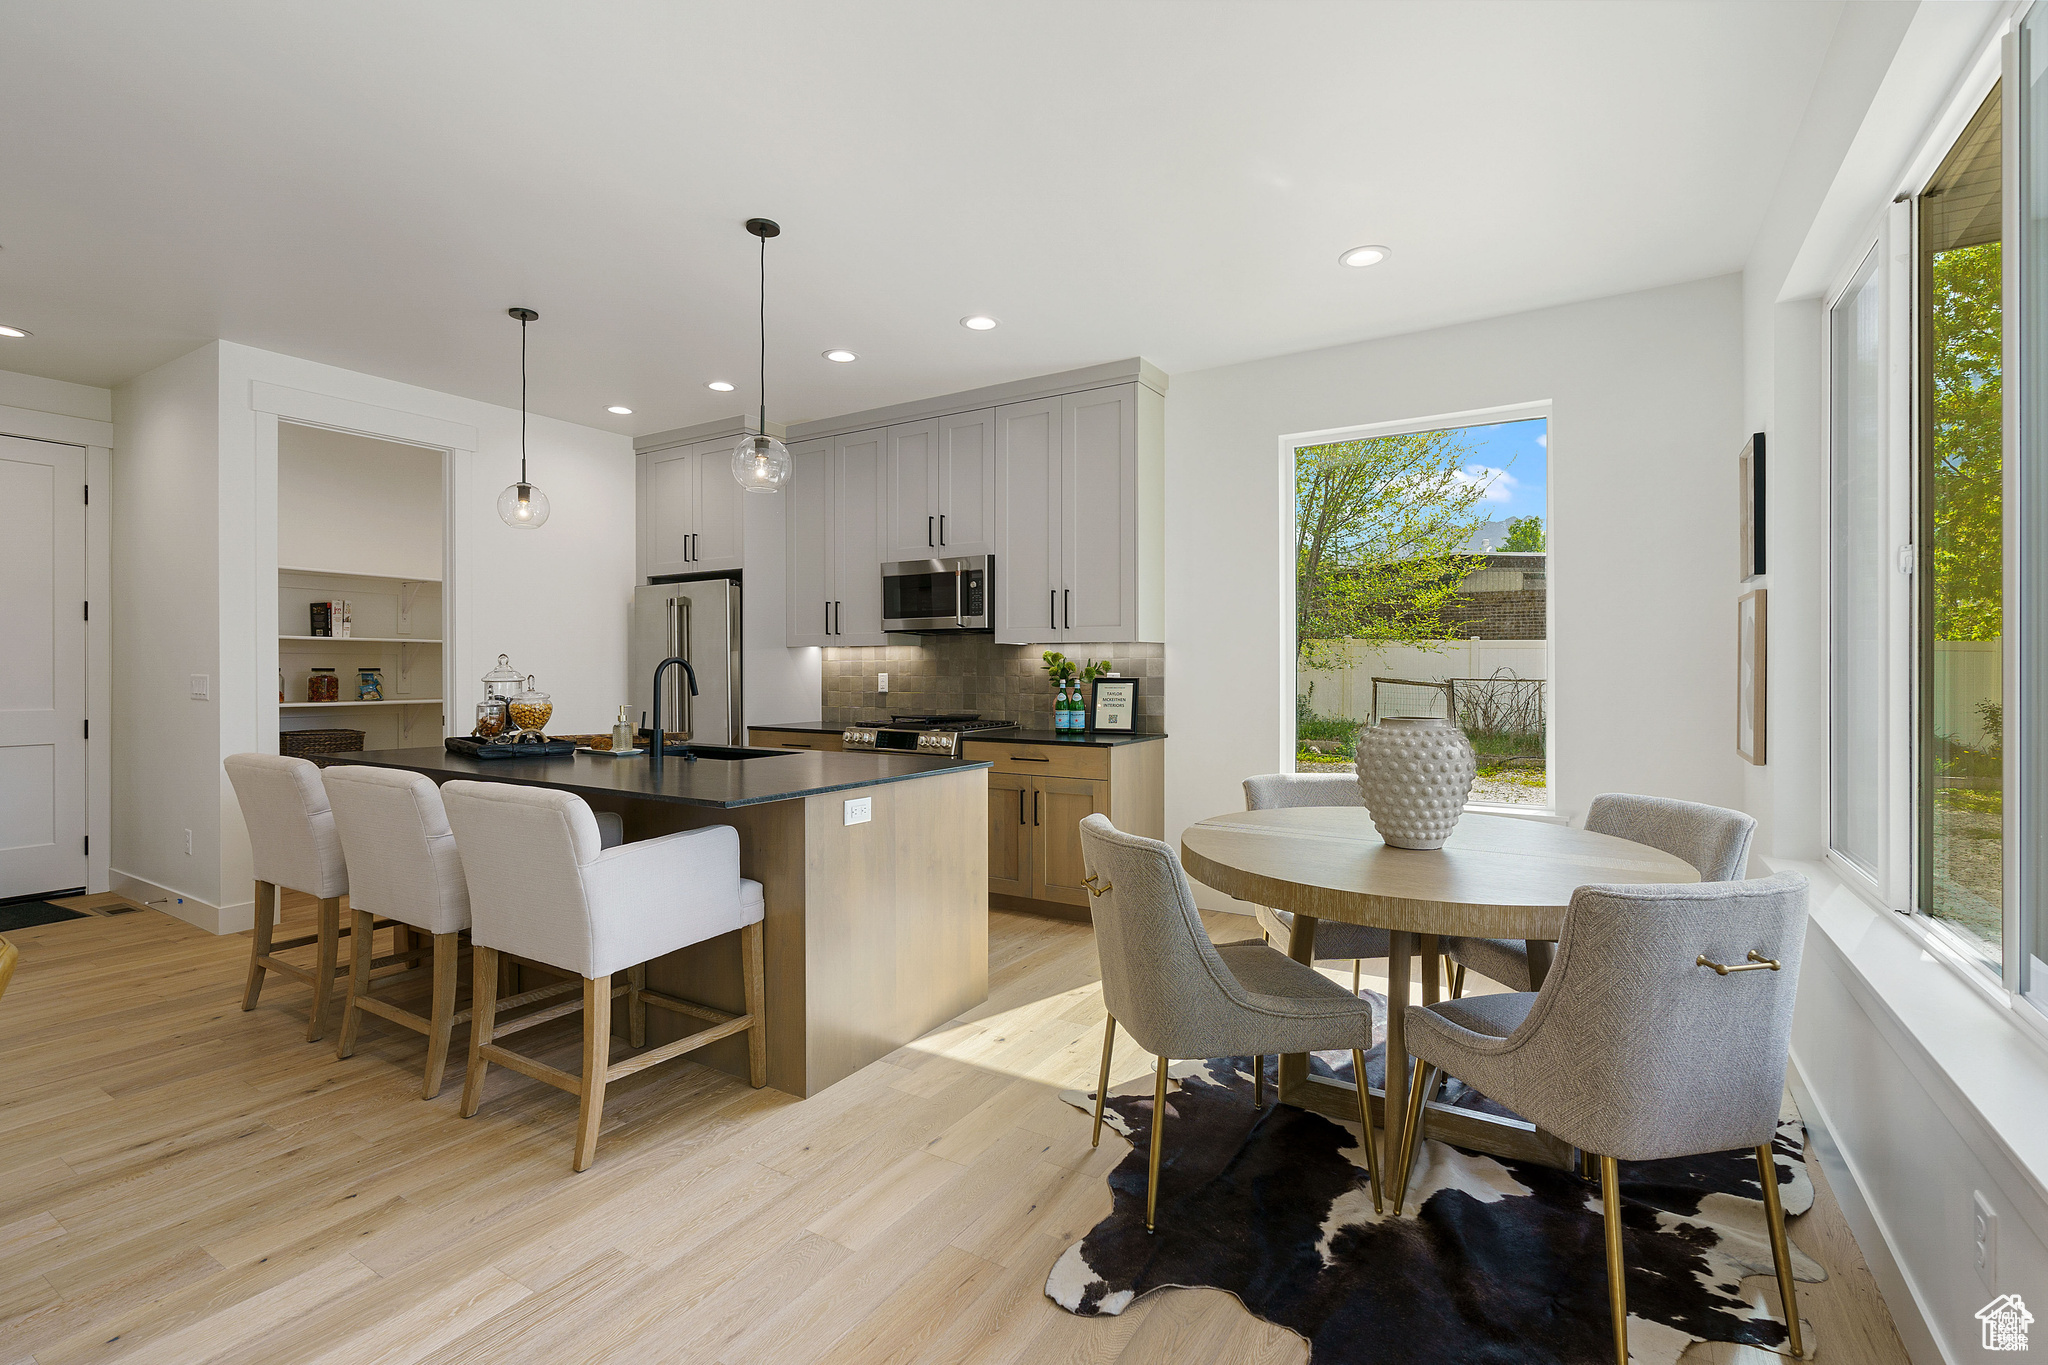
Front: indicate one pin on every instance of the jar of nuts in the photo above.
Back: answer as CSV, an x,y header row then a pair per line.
x,y
490,719
531,709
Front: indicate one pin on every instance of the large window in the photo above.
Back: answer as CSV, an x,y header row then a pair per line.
x,y
1422,589
1959,540
1857,573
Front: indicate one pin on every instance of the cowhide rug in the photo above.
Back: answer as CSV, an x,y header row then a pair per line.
x,y
1505,1264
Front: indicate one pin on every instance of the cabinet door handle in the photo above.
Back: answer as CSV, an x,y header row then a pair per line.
x,y
1068,594
1029,758
1052,608
1020,805
942,528
1036,802
787,745
928,530
690,547
838,618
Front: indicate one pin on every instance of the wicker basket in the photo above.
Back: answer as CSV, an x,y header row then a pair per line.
x,y
312,743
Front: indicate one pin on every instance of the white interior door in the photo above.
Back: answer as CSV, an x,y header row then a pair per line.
x,y
42,668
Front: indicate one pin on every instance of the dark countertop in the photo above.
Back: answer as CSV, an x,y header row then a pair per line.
x,y
1084,740
786,775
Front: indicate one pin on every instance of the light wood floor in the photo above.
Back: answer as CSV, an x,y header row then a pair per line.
x,y
183,1182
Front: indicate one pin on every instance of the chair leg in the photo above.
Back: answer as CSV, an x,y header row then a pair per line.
x,y
329,950
1617,1285
360,952
483,1019
636,1008
597,1059
1781,1251
1356,967
1259,1081
1158,1139
1411,1131
1457,981
259,944
1372,1160
1102,1082
441,1020
754,967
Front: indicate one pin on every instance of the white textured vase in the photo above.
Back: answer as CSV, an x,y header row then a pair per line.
x,y
1415,775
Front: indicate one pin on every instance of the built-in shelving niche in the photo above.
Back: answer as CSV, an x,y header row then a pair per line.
x,y
396,627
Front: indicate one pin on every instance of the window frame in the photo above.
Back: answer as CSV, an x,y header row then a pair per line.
x,y
1475,417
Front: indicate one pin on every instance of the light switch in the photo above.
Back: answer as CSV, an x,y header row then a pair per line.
x,y
202,687
860,810
882,683
1984,1219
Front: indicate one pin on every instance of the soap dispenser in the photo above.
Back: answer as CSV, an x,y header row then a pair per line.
x,y
623,737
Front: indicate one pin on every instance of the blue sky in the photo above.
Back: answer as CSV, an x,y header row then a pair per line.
x,y
1518,451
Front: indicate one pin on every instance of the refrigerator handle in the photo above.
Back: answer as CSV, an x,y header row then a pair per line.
x,y
683,697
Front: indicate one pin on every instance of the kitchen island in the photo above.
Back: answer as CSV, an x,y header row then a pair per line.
x,y
876,931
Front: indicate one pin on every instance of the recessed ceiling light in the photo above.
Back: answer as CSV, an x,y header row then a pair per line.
x,y
623,412
980,322
719,386
1365,255
841,356
6,331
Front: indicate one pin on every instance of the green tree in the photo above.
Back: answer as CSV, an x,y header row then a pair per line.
x,y
1524,533
1966,487
1380,527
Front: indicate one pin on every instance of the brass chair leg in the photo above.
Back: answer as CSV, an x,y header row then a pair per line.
x,y
1102,1082
1356,966
1781,1252
1617,1285
1458,982
1372,1149
1411,1131
1259,1081
1158,1137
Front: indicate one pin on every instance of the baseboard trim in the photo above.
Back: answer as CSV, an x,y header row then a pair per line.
x,y
214,919
1872,1239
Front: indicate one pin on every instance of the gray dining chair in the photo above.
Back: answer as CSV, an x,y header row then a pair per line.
x,y
1713,840
1180,995
1660,1032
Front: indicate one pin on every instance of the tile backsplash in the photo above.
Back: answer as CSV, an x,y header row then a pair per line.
x,y
973,673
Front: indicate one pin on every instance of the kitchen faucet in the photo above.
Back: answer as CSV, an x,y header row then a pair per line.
x,y
661,735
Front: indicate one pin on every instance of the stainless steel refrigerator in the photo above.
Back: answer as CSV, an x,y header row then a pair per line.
x,y
699,621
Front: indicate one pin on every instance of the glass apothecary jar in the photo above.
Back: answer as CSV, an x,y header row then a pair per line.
x,y
502,682
531,709
490,720
322,684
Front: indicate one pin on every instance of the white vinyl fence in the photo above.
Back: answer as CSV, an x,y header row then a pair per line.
x,y
1347,691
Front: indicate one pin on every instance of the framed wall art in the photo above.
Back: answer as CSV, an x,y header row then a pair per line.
x,y
1752,676
1752,494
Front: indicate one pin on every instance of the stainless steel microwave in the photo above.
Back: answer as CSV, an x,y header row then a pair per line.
x,y
939,594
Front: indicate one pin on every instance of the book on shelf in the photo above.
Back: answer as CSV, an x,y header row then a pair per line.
x,y
323,619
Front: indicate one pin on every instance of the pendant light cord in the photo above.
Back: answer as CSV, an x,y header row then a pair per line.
x,y
522,401
764,336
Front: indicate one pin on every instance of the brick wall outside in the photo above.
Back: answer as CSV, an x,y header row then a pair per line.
x,y
1501,615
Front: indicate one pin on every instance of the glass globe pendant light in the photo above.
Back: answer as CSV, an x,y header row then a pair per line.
x,y
761,463
522,505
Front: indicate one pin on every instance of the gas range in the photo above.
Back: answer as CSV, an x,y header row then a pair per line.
x,y
938,736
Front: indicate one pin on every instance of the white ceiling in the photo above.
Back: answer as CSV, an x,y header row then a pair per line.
x,y
370,184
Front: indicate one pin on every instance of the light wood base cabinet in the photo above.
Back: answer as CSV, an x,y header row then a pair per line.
x,y
1038,795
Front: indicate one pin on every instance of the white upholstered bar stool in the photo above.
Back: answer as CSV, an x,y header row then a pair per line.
x,y
394,831
293,844
543,887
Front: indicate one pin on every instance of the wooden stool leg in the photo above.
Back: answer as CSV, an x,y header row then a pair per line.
x,y
329,949
360,952
441,1021
597,1059
754,969
483,1017
259,945
636,1008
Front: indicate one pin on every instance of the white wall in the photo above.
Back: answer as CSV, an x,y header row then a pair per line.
x,y
555,599
1646,419
166,591
37,394
349,502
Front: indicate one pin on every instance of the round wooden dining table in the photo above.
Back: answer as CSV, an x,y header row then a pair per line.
x,y
1498,876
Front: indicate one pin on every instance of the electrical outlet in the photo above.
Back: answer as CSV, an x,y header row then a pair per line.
x,y
882,683
1985,1221
202,687
188,843
860,810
